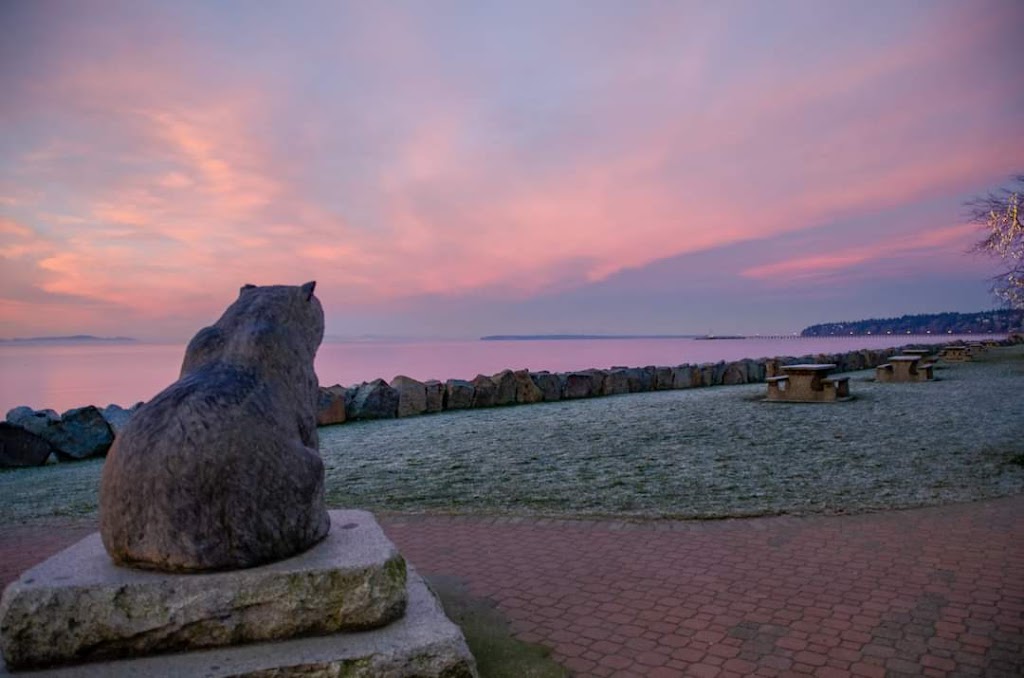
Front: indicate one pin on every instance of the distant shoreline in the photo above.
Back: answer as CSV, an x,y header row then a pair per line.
x,y
73,339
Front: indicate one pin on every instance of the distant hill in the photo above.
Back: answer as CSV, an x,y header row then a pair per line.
x,y
73,339
998,322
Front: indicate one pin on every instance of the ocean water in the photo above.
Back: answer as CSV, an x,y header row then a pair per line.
x,y
65,376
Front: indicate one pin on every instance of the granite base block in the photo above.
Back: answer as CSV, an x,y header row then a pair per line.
x,y
78,605
424,643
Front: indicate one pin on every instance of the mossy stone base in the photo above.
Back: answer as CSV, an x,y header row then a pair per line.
x,y
79,606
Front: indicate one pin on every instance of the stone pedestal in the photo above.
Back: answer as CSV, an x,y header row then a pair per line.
x,y
319,607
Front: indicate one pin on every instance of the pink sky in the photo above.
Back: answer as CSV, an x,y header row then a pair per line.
x,y
446,169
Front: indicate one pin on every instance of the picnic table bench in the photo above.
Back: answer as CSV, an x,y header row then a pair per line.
x,y
904,368
808,383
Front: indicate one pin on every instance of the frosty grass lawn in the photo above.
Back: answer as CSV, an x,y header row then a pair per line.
x,y
711,452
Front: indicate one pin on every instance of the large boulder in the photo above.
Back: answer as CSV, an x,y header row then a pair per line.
x,y
19,447
330,407
641,379
484,391
735,373
755,371
663,378
39,422
412,395
527,392
79,433
616,381
504,388
683,376
458,394
118,417
372,400
82,433
550,385
434,391
220,470
583,384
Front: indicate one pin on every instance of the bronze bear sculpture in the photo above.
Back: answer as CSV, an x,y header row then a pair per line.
x,y
220,470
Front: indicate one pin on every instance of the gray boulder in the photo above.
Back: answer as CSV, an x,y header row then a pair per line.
x,y
81,433
683,376
854,361
412,395
583,384
330,407
38,422
118,417
550,385
435,395
77,434
734,373
458,394
484,391
755,371
220,470
372,400
663,378
504,388
616,381
527,391
19,447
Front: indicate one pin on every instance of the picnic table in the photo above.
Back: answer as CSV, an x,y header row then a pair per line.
x,y
956,353
923,352
904,368
808,383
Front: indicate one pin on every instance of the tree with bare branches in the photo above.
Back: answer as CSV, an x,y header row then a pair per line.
x,y
999,214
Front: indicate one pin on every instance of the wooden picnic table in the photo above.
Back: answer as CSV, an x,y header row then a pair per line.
x,y
904,368
955,353
807,383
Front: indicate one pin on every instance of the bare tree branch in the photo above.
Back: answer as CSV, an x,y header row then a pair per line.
x,y
999,214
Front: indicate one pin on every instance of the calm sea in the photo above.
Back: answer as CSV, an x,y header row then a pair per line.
x,y
62,377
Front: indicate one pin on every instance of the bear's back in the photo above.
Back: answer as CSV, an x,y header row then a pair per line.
x,y
220,469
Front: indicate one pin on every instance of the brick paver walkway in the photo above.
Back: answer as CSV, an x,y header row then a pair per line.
x,y
933,592
928,592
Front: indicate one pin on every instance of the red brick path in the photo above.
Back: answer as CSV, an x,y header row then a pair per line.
x,y
933,592
929,592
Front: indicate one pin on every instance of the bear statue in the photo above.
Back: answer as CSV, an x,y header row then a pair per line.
x,y
220,470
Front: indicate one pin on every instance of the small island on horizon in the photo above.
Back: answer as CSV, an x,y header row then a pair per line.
x,y
71,339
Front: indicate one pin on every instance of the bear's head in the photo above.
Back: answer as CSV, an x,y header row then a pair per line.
x,y
265,326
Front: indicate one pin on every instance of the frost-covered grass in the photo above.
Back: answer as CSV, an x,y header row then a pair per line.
x,y
708,452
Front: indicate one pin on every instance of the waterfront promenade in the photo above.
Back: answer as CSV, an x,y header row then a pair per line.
x,y
925,592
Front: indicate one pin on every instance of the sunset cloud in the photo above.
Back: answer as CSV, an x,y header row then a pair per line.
x,y
160,156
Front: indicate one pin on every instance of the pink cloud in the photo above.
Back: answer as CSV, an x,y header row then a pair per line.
x,y
805,267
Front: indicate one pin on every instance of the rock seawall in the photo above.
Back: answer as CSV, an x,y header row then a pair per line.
x,y
89,431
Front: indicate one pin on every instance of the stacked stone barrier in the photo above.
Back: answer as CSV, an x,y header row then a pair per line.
x,y
31,437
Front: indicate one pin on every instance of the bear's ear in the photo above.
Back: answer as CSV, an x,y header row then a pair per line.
x,y
308,288
247,286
